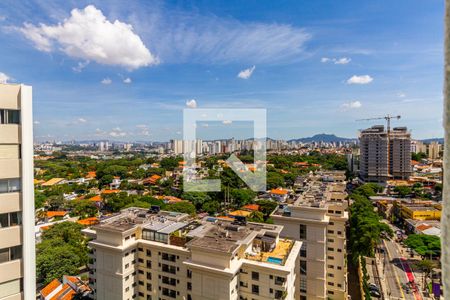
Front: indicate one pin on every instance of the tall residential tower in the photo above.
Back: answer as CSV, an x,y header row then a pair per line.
x,y
385,156
17,249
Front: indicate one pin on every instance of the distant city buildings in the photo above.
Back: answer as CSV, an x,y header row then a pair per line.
x,y
17,243
433,150
384,155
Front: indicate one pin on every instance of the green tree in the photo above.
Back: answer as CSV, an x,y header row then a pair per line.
x,y
211,207
403,191
183,207
426,266
424,245
243,196
56,202
63,251
197,198
256,216
83,208
366,229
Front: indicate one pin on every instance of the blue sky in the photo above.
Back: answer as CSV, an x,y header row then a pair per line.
x,y
124,70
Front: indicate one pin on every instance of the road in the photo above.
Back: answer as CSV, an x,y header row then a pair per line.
x,y
394,273
398,272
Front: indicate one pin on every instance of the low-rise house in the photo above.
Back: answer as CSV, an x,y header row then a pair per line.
x,y
53,181
68,289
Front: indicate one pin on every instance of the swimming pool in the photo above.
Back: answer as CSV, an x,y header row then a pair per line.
x,y
275,260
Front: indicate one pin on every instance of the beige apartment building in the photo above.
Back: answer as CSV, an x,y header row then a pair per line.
x,y
151,254
384,157
318,219
17,251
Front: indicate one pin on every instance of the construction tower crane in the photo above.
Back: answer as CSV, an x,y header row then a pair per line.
x,y
388,118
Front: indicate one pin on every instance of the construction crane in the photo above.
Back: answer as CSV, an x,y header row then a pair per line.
x,y
388,118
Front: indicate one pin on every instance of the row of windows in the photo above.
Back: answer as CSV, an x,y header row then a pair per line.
x,y
9,185
10,219
9,116
12,253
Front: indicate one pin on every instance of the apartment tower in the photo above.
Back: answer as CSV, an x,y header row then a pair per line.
x,y
151,254
17,248
384,156
318,218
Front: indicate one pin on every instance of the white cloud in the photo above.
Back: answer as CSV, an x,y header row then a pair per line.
x,y
80,66
342,61
351,105
81,120
401,95
247,73
127,80
143,129
191,103
211,39
36,122
227,122
4,78
336,61
87,34
362,79
106,81
117,132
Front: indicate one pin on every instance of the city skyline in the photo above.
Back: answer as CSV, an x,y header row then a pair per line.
x,y
314,67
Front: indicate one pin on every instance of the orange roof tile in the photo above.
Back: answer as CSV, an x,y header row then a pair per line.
x,y
279,191
66,293
110,191
423,227
50,287
88,221
254,207
96,198
243,213
91,174
51,214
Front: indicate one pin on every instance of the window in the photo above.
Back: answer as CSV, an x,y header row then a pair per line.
x,y
303,250
149,264
15,218
169,257
9,116
255,275
169,269
255,289
302,232
189,273
303,267
303,283
189,286
9,185
148,252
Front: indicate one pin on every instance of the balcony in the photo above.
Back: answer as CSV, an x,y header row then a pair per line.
x,y
9,168
9,134
10,270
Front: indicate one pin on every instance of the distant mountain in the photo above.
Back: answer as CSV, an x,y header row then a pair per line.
x,y
439,140
327,138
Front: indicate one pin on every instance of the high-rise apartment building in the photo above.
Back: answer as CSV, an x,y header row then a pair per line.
x,y
384,156
17,248
149,254
318,219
